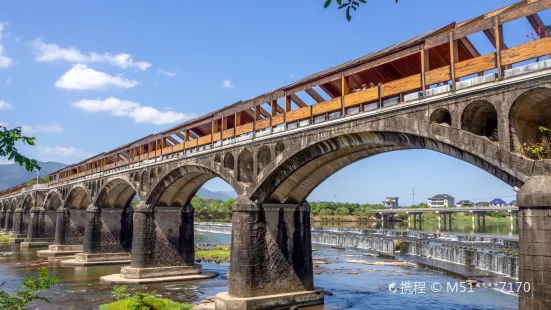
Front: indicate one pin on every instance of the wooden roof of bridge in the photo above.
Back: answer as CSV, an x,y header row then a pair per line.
x,y
394,62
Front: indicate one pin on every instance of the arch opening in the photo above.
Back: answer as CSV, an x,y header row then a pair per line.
x,y
295,178
279,148
441,116
263,158
229,161
530,121
480,118
245,163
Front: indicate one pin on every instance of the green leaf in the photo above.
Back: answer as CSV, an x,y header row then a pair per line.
x,y
339,2
348,16
344,5
327,4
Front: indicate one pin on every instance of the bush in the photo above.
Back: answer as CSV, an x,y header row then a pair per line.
x,y
30,289
141,301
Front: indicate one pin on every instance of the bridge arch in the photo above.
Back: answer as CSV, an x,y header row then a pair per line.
x,y
291,178
480,118
78,198
117,193
528,112
245,164
52,201
441,116
279,148
229,161
263,158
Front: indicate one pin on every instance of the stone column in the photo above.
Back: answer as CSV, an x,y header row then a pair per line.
x,y
17,221
92,230
186,247
8,223
270,256
143,238
61,222
534,200
2,219
450,220
33,229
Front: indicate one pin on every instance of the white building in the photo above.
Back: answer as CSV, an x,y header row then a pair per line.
x,y
391,203
441,201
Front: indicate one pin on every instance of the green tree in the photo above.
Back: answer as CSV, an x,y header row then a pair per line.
x,y
30,289
342,211
8,140
348,5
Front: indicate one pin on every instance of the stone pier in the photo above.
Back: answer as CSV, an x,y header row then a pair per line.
x,y
161,253
271,258
68,235
40,232
534,200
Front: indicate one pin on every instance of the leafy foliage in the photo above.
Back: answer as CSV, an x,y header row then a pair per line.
x,y
8,139
540,149
347,5
29,291
140,301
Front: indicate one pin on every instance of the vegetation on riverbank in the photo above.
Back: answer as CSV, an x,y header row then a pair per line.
x,y
141,301
30,289
217,254
343,211
491,216
5,238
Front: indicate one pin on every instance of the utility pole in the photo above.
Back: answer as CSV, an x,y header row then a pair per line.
x,y
413,193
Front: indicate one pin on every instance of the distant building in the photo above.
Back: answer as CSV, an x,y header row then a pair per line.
x,y
513,203
441,201
481,204
391,203
464,203
497,202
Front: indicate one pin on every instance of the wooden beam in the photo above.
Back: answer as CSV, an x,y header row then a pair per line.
x,y
424,68
345,90
287,103
453,57
181,136
298,101
263,111
174,141
498,34
329,91
315,95
471,49
538,25
490,34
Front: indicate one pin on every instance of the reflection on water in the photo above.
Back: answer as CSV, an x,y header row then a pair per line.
x,y
353,285
499,229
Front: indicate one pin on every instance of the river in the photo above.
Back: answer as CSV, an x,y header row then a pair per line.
x,y
353,286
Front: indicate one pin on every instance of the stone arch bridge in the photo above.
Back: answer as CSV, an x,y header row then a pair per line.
x,y
432,92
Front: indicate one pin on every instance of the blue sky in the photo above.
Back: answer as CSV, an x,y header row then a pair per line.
x,y
156,64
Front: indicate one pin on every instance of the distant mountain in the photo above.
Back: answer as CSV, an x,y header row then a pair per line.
x,y
13,174
219,195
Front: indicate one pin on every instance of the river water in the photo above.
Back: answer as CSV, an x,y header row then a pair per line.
x,y
353,286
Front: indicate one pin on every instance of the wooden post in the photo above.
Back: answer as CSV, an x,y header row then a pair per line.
x,y
235,122
345,91
453,58
273,106
287,109
424,69
380,93
499,45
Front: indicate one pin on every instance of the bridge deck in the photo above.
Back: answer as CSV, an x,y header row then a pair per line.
x,y
445,210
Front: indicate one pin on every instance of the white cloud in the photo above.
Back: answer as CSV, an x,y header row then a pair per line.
x,y
9,81
227,84
81,77
5,61
4,105
63,151
134,110
42,128
167,73
3,124
47,52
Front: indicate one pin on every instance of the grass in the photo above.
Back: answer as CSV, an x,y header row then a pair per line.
x,y
155,303
221,252
5,238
